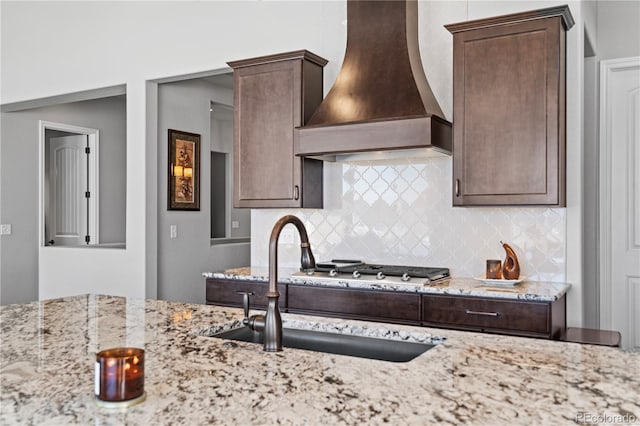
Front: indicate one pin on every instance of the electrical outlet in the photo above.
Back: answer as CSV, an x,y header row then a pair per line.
x,y
235,224
173,231
5,229
286,235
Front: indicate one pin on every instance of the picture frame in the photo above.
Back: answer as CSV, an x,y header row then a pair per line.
x,y
183,183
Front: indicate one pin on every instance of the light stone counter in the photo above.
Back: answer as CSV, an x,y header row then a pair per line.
x,y
526,290
48,352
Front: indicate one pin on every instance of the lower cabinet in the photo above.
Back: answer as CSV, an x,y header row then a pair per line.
x,y
385,306
223,292
503,316
519,317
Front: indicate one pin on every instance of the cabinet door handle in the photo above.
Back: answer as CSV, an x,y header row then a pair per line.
x,y
457,187
296,192
487,314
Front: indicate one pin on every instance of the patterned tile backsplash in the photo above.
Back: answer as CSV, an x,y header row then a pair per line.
x,y
400,212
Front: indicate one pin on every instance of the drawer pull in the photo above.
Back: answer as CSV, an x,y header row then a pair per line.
x,y
487,314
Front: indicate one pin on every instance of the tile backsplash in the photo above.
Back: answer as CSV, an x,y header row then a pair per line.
x,y
400,212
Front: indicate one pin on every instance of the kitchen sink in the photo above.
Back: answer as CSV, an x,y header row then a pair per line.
x,y
334,343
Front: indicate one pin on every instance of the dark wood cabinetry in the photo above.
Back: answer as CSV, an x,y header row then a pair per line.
x,y
509,109
503,316
361,304
273,95
524,318
228,293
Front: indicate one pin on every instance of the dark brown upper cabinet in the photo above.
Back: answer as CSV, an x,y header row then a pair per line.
x,y
273,95
509,109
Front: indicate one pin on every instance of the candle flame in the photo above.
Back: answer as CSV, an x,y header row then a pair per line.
x,y
136,360
182,316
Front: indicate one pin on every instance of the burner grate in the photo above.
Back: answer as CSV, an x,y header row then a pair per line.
x,y
357,268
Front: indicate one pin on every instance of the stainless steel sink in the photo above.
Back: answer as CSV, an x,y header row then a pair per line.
x,y
341,344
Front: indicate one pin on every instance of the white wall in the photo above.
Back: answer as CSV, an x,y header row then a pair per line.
x,y
185,106
116,42
113,43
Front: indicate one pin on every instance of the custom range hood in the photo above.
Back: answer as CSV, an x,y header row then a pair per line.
x,y
381,99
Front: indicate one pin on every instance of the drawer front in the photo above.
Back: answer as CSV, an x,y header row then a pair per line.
x,y
533,317
224,293
362,303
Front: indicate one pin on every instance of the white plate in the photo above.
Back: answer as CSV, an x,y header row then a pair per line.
x,y
508,283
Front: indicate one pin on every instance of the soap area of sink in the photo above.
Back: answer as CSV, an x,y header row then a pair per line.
x,y
340,339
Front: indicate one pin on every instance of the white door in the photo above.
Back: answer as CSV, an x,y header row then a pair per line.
x,y
66,220
620,195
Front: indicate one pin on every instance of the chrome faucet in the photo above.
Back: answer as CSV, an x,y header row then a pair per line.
x,y
271,323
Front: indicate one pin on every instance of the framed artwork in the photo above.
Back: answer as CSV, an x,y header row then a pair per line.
x,y
184,171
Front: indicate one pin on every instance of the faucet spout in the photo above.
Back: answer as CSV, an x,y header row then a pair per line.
x,y
273,320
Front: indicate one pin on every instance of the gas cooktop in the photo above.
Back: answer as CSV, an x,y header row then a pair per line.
x,y
359,270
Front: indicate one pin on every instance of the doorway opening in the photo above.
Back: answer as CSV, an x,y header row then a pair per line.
x,y
69,197
228,224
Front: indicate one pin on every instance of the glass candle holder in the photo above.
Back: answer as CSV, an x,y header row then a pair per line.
x,y
494,269
119,377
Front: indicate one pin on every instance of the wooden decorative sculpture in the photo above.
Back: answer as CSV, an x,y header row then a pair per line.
x,y
510,266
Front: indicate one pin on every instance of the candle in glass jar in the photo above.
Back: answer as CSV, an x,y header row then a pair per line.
x,y
494,269
120,375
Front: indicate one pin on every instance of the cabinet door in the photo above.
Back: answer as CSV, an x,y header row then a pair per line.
x,y
223,292
502,316
509,101
273,95
382,306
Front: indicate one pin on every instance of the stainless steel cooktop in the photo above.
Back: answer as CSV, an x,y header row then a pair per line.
x,y
348,269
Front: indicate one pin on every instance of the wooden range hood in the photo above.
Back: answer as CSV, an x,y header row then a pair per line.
x,y
381,99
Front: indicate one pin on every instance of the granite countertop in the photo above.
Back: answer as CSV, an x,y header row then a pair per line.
x,y
48,353
526,290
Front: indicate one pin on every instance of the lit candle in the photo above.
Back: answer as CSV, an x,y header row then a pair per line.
x,y
119,375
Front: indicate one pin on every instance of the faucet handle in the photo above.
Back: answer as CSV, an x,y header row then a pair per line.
x,y
255,322
245,302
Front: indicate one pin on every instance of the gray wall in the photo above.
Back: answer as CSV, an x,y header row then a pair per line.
x,y
181,261
590,195
618,29
19,175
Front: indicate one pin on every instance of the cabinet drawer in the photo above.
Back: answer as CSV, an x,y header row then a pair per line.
x,y
531,317
224,293
365,304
